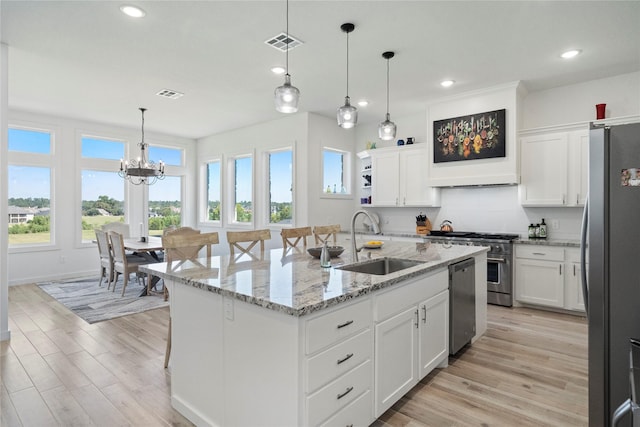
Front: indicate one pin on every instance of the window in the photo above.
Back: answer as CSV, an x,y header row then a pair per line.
x,y
165,204
336,171
242,189
102,149
280,187
30,186
170,156
102,201
213,186
102,189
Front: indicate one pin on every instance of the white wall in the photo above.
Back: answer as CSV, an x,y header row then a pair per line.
x,y
308,133
496,208
68,256
576,103
5,334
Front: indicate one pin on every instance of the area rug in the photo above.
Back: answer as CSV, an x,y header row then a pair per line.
x,y
94,304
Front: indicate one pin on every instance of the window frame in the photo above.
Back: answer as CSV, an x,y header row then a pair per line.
x,y
347,174
203,214
231,192
37,160
267,180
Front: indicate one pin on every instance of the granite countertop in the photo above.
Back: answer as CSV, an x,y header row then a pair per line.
x,y
571,243
295,284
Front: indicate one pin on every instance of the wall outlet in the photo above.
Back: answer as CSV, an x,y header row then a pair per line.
x,y
555,224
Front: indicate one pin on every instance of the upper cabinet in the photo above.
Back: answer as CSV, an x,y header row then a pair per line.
x,y
554,167
399,178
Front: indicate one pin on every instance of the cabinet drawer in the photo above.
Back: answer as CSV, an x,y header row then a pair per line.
x,y
357,413
330,328
330,364
546,253
338,394
399,297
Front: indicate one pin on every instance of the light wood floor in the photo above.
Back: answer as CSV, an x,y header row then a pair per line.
x,y
530,369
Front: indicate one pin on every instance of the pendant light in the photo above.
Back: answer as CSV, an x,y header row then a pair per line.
x,y
287,96
347,114
141,171
387,129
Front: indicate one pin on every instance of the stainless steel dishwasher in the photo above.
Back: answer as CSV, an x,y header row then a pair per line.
x,y
462,304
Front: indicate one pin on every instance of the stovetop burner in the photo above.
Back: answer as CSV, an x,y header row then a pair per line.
x,y
473,235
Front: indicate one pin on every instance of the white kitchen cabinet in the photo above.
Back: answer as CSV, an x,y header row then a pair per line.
x,y
539,275
549,276
434,332
399,178
553,167
411,337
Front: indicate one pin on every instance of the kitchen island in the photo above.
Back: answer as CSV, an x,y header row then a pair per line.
x,y
280,341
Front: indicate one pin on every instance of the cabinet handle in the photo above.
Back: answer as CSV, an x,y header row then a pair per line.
x,y
396,201
563,199
578,199
347,391
349,425
424,314
404,200
574,270
344,359
417,318
539,253
560,269
347,323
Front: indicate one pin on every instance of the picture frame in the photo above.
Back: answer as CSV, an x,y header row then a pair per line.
x,y
471,137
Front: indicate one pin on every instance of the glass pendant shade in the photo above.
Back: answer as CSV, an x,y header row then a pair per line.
x,y
347,115
387,129
287,96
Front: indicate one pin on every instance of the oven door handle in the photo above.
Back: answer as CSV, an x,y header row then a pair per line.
x,y
501,260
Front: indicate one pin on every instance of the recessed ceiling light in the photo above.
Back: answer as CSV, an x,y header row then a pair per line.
x,y
278,70
132,11
363,103
447,83
571,53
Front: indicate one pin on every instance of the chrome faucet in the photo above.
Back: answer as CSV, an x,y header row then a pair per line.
x,y
374,226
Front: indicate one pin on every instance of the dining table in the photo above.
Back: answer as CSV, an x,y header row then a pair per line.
x,y
148,249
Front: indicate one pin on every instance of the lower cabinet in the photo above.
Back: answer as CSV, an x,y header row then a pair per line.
x,y
411,337
548,276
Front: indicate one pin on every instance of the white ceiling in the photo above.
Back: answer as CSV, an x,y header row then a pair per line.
x,y
86,60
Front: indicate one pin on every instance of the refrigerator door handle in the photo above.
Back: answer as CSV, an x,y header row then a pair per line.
x,y
583,254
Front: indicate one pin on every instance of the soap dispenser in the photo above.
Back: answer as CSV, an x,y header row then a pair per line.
x,y
325,256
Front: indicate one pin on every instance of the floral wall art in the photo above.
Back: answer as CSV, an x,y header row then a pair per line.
x,y
476,136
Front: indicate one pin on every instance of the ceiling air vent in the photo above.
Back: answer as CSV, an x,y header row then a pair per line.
x,y
280,42
171,94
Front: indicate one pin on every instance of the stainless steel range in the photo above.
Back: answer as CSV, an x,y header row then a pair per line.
x,y
499,260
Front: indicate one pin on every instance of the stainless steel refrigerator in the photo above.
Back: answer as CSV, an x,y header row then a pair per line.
x,y
612,284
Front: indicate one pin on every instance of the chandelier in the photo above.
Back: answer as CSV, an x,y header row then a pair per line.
x,y
141,171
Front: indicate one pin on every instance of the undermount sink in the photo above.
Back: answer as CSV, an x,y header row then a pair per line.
x,y
381,266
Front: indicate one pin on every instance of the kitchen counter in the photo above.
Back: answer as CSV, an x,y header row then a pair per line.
x,y
570,243
281,341
295,284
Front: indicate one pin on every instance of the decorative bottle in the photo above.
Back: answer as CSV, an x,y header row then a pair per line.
x,y
543,229
532,231
325,256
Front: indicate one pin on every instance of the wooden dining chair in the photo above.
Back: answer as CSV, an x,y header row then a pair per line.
x,y
119,227
249,238
106,257
300,234
123,263
323,233
181,245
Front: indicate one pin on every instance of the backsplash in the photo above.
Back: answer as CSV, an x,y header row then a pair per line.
x,y
493,209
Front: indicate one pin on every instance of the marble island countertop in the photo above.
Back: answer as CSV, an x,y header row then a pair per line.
x,y
294,283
